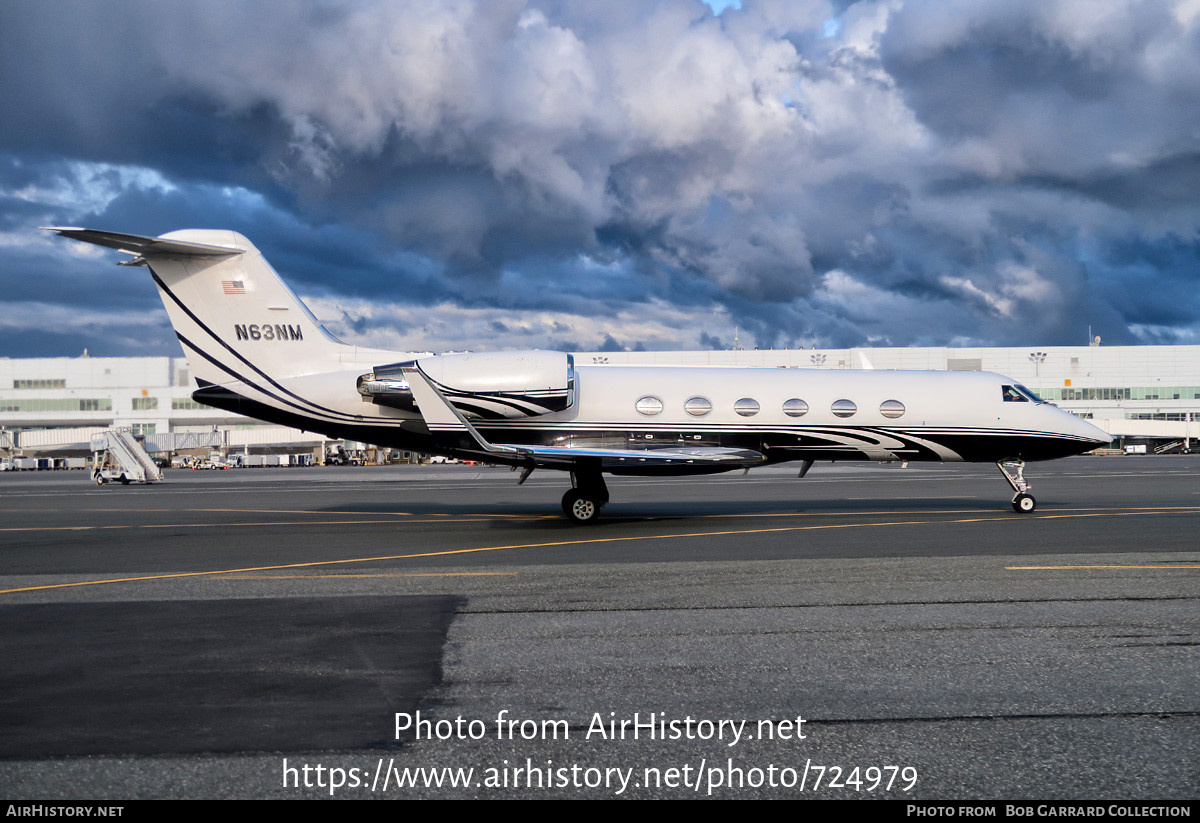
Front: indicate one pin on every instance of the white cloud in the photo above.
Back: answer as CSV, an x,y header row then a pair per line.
x,y
446,327
800,163
83,187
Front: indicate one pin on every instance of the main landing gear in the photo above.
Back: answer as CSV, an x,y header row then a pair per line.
x,y
587,496
1014,473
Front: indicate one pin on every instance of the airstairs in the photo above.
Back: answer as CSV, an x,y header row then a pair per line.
x,y
119,456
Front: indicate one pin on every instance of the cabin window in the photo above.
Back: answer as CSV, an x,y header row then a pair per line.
x,y
746,407
844,408
891,408
795,407
649,405
697,406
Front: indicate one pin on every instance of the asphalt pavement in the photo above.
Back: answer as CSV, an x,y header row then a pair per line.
x,y
868,631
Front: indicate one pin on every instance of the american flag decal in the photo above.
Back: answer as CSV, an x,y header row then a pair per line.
x,y
233,286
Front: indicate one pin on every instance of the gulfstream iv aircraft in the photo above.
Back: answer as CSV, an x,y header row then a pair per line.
x,y
255,349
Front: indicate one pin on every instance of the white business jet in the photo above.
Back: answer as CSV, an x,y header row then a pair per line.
x,y
255,349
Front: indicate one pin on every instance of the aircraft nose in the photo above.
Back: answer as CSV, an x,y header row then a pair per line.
x,y
1079,427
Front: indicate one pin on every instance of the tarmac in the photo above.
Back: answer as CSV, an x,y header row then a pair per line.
x,y
439,631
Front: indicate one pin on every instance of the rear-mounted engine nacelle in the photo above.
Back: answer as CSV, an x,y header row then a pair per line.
x,y
487,386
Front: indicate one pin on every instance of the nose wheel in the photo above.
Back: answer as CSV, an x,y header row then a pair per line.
x,y
1014,472
1024,503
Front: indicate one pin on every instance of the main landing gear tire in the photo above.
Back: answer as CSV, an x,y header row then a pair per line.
x,y
580,507
1024,503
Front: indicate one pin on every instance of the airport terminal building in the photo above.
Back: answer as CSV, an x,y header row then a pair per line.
x,y
1147,395
57,404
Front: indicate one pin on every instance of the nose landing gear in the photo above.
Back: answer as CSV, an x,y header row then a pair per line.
x,y
1024,503
1014,472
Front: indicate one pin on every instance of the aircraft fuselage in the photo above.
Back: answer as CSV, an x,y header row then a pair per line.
x,y
256,349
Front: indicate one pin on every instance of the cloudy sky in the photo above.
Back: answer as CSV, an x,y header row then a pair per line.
x,y
637,173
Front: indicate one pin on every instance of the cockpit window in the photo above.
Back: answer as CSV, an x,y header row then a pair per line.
x,y
1019,394
1029,394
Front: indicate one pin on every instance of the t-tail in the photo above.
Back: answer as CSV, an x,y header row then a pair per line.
x,y
234,316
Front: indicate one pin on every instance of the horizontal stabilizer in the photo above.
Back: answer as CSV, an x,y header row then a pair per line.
x,y
138,244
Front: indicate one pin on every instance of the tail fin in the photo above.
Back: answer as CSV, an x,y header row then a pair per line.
x,y
231,311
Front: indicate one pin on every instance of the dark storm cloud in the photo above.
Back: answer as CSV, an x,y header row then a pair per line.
x,y
796,172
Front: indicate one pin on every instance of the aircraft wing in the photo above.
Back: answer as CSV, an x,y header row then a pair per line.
x,y
661,456
441,417
138,244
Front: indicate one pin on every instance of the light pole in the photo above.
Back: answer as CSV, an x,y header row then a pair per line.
x,y
1037,358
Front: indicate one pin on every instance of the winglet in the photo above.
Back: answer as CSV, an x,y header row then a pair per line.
x,y
440,415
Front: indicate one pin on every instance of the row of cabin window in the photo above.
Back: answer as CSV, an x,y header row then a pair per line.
x,y
748,407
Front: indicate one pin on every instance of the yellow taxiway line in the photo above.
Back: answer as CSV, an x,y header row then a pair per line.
x,y
559,543
479,518
1129,566
342,576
